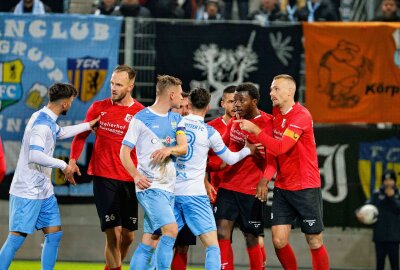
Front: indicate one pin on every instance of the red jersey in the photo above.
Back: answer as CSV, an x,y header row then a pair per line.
x,y
245,175
113,124
298,166
2,162
214,162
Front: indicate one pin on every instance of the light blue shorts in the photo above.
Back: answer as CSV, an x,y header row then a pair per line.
x,y
158,208
196,212
26,215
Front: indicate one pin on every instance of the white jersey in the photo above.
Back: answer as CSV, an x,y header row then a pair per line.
x,y
150,131
32,176
192,166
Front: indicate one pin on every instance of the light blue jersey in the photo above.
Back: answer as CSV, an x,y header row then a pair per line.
x,y
191,167
150,131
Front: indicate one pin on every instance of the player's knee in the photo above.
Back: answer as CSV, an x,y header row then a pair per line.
x,y
223,234
127,238
279,242
54,237
170,230
251,240
314,240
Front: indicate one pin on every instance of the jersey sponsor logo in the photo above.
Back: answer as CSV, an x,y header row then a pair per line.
x,y
87,74
283,123
291,134
128,117
10,82
310,222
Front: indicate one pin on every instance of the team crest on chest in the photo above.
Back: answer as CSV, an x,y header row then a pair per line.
x,y
283,123
173,124
128,117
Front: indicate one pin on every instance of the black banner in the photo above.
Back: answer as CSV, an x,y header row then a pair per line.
x,y
214,56
339,157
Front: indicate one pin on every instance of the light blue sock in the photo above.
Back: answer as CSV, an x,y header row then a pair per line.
x,y
50,250
10,247
164,252
142,257
213,258
153,262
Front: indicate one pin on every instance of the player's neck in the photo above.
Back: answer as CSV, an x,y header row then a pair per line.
x,y
126,101
161,106
54,108
286,107
253,114
226,117
201,113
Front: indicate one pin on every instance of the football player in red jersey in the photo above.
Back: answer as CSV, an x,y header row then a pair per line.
x,y
297,192
113,187
215,165
236,201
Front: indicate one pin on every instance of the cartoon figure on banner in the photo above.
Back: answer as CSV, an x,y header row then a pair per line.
x,y
10,82
340,71
36,96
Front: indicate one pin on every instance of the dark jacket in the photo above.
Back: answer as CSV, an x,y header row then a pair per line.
x,y
325,12
132,11
387,228
102,10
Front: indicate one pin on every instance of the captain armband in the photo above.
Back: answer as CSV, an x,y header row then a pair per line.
x,y
180,131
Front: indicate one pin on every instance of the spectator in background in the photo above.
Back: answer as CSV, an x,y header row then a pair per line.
x,y
268,11
243,6
2,162
388,12
386,234
182,9
210,11
291,8
131,8
106,7
31,6
318,10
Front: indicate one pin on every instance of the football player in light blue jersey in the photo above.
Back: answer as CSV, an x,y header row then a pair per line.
x,y
158,140
192,205
32,201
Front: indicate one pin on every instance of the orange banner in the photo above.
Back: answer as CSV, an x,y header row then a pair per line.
x,y
353,72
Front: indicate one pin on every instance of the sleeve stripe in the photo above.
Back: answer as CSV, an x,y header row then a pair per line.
x,y
180,128
58,132
220,152
129,144
36,147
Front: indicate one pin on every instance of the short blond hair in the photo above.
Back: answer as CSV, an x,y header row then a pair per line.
x,y
164,82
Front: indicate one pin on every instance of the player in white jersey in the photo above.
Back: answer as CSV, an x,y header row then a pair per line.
x,y
32,201
158,140
192,205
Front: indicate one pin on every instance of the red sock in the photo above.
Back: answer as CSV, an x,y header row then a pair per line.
x,y
286,257
255,257
320,258
116,268
106,267
226,254
264,256
179,261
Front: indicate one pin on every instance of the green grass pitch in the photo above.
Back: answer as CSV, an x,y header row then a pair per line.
x,y
35,265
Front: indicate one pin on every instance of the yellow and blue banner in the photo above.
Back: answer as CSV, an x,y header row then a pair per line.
x,y
37,51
